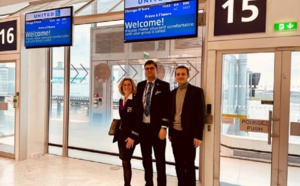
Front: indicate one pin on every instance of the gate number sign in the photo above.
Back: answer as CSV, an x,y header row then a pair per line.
x,y
240,16
8,37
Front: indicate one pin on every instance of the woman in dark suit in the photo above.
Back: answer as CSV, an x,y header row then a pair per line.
x,y
127,88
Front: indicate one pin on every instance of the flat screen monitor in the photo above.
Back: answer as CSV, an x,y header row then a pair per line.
x,y
160,19
49,28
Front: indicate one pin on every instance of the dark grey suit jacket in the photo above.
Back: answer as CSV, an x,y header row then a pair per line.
x,y
193,112
159,107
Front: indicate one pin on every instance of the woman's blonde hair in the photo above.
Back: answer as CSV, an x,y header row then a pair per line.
x,y
132,84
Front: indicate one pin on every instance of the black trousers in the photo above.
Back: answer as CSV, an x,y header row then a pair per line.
x,y
184,154
149,140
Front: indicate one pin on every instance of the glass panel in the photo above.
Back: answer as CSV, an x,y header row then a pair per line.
x,y
86,11
94,97
57,98
77,6
7,112
83,133
104,6
294,137
247,95
120,7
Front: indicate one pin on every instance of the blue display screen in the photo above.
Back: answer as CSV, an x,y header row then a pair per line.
x,y
163,21
49,28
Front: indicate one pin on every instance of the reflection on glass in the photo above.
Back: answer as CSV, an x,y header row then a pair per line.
x,y
247,82
7,112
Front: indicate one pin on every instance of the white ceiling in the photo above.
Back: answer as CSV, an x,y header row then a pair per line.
x,y
23,6
12,2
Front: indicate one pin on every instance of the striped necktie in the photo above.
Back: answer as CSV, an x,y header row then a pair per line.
x,y
148,99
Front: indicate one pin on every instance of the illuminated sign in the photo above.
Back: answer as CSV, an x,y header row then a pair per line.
x,y
285,26
153,21
49,28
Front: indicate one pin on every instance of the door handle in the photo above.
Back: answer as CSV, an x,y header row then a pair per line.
x,y
271,119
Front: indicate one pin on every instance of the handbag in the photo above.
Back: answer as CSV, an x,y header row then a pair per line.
x,y
114,126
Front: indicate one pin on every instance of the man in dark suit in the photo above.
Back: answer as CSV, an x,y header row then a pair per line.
x,y
187,123
152,122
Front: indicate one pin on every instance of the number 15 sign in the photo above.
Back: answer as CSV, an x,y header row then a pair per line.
x,y
240,16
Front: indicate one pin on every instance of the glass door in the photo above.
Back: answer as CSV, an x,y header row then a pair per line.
x,y
7,111
247,100
294,122
259,118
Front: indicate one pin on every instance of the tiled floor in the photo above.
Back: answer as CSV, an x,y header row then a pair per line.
x,y
237,172
50,170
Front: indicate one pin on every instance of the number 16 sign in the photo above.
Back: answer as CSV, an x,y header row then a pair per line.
x,y
240,16
8,37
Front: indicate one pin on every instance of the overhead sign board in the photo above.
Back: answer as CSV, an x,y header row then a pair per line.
x,y
240,16
146,20
50,28
254,125
285,26
8,35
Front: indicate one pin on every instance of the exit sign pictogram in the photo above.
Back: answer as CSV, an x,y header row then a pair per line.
x,y
285,26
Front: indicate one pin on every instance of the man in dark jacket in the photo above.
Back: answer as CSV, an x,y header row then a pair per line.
x,y
152,121
187,123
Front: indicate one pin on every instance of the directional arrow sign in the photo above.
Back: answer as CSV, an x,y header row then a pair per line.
x,y
285,26
136,72
85,74
123,74
76,72
197,71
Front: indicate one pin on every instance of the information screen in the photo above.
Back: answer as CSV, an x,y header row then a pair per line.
x,y
49,28
159,19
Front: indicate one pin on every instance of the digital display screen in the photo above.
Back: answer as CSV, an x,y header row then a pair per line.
x,y
49,28
159,19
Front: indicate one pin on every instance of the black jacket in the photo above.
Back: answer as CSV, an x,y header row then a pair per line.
x,y
128,118
159,108
193,112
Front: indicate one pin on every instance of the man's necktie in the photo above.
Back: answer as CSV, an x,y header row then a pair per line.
x,y
148,97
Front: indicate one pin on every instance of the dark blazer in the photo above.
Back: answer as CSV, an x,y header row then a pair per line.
x,y
193,112
159,107
128,118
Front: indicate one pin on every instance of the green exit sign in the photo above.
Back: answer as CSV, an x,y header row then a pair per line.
x,y
285,26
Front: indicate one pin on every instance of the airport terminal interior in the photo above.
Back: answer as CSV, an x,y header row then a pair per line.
x,y
57,100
